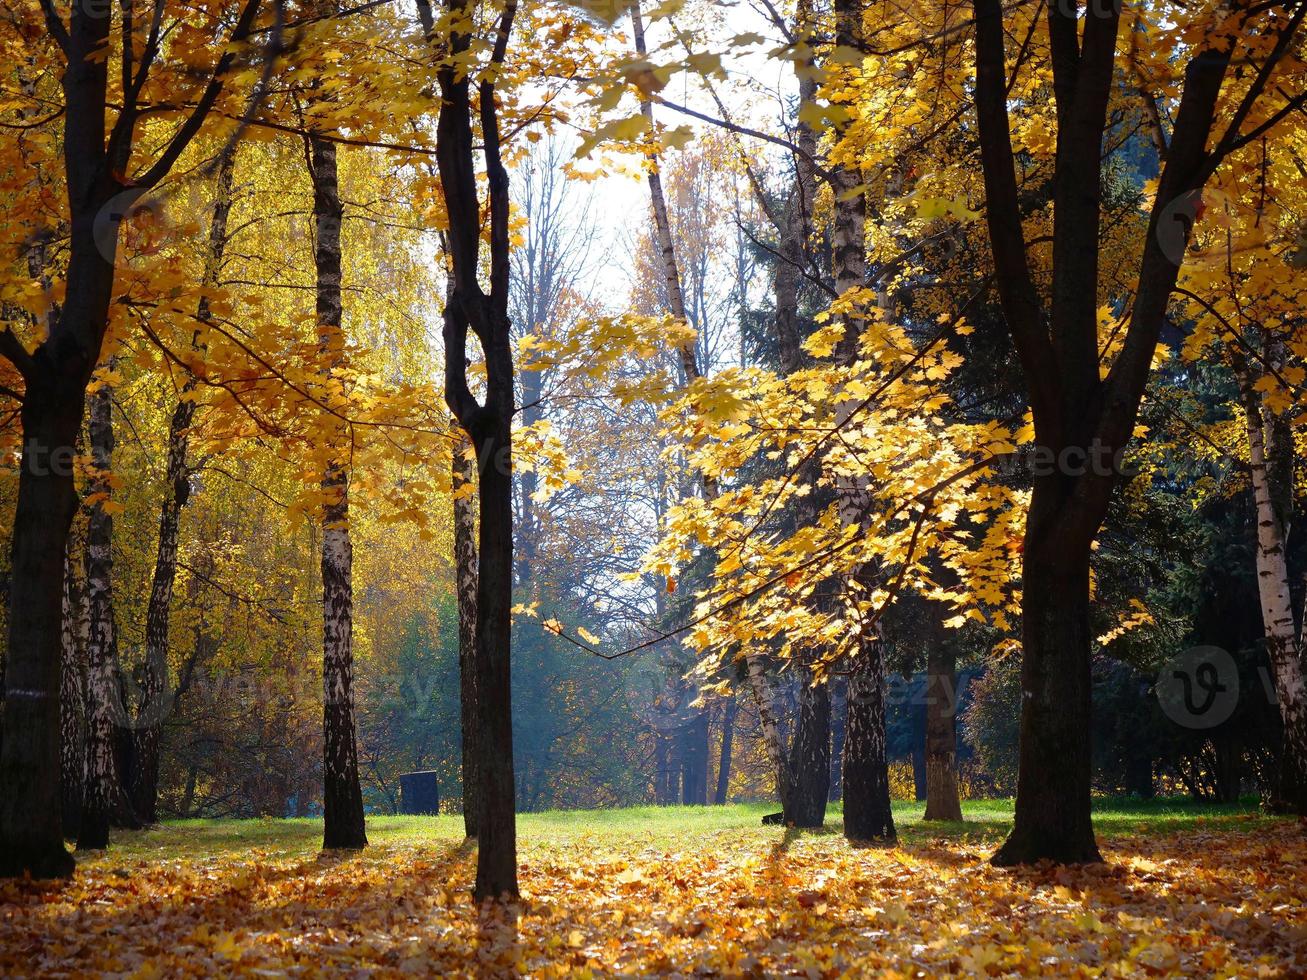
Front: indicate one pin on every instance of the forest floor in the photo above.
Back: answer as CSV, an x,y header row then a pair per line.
x,y
1185,890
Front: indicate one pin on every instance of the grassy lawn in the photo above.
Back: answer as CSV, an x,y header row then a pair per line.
x,y
689,891
986,821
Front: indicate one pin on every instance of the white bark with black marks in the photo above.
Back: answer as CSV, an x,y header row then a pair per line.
x,y
342,795
1284,644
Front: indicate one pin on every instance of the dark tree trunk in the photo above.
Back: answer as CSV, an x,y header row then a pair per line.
x,y
496,819
1055,767
918,713
55,377
31,825
469,308
1139,773
942,802
1228,768
342,797
31,831
157,699
809,759
867,814
667,760
694,759
1081,417
724,755
465,575
838,715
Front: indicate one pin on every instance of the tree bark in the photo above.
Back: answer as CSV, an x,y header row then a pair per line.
x,y
488,424
31,831
72,690
157,700
465,575
839,715
105,707
868,817
694,758
942,802
342,798
1055,766
732,708
809,759
1284,646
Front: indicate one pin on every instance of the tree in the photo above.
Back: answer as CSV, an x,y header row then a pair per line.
x,y
488,423
342,798
465,586
1084,420
156,696
56,372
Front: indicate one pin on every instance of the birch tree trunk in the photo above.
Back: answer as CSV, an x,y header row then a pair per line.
x,y
72,690
465,574
157,700
341,795
1268,437
103,704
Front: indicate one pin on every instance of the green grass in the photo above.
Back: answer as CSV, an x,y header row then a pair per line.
x,y
634,828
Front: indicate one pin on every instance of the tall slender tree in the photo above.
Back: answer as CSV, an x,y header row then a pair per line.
x,y
156,696
488,423
342,797
691,370
104,706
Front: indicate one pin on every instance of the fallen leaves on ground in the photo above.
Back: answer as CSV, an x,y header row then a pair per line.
x,y
1219,903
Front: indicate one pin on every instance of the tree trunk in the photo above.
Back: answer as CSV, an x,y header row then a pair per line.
x,y
496,820
105,706
72,691
867,814
342,798
469,308
31,825
809,760
918,715
942,802
694,759
157,700
1283,642
724,755
662,750
465,575
1054,775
